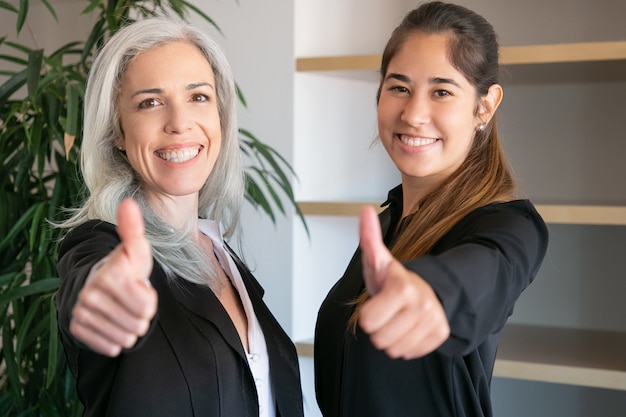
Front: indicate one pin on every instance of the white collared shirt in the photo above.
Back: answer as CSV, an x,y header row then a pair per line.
x,y
258,359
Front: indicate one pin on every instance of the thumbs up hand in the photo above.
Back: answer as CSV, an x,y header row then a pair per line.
x,y
403,317
117,303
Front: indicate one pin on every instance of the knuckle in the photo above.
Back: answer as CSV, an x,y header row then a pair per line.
x,y
129,341
376,341
143,327
80,315
443,332
408,292
112,350
75,328
89,297
392,353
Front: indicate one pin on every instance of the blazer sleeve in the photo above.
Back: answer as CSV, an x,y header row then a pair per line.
x,y
79,251
480,268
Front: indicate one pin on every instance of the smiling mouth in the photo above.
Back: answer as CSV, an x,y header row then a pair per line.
x,y
413,141
179,155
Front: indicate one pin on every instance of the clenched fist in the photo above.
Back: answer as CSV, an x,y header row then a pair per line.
x,y
403,317
117,302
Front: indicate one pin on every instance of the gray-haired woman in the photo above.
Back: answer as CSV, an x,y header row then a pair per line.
x,y
157,314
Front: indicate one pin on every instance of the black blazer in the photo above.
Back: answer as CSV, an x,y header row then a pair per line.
x,y
191,362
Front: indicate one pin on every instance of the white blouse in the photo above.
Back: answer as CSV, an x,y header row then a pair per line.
x,y
258,359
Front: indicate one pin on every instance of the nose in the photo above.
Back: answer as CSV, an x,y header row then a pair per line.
x,y
178,119
416,111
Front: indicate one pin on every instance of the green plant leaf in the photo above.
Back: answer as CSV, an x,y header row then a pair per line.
x,y
12,369
22,14
18,227
40,328
24,328
44,243
55,198
178,7
263,176
19,279
92,6
34,72
71,47
257,144
35,226
94,37
53,109
35,137
11,85
7,6
240,96
23,48
72,93
15,60
50,9
5,279
53,344
256,197
43,286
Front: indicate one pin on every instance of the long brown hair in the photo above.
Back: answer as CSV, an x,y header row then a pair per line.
x,y
484,177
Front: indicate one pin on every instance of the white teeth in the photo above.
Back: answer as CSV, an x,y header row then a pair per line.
x,y
417,141
180,155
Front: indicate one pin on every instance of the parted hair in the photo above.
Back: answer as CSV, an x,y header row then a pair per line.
x,y
484,177
107,173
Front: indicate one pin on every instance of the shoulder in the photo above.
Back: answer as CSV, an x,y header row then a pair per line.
x,y
509,224
91,233
516,213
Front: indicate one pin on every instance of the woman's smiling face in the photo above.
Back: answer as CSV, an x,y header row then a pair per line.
x,y
427,110
169,118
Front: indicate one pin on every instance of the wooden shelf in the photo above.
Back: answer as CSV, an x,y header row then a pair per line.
x,y
587,358
511,55
572,52
563,214
327,208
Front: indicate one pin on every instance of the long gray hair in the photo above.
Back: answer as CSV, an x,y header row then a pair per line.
x,y
109,176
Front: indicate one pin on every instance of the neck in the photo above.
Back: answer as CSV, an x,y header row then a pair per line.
x,y
178,212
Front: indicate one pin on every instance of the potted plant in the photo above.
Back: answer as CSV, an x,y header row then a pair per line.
x,y
39,142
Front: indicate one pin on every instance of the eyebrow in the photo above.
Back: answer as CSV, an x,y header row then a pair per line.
x,y
432,80
189,87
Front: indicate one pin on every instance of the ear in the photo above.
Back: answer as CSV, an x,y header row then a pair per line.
x,y
489,103
120,143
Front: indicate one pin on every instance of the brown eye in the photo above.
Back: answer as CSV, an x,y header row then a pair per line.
x,y
148,103
200,98
399,89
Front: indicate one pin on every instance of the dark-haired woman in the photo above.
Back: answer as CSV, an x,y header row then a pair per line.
x,y
412,327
